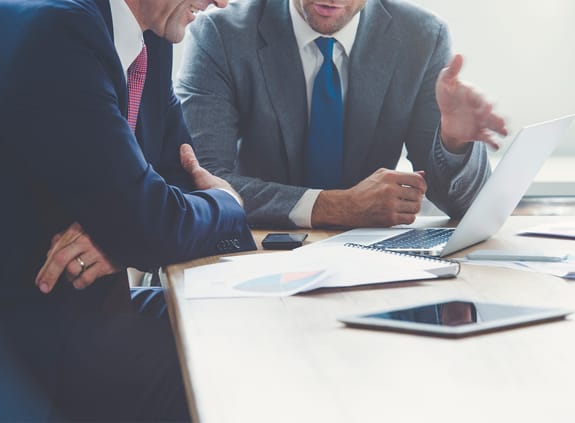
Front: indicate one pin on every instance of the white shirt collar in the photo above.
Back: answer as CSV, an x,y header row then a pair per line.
x,y
304,34
128,36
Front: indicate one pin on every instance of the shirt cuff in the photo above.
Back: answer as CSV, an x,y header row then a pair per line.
x,y
300,215
453,160
234,196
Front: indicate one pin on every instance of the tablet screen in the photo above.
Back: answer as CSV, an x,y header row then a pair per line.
x,y
451,313
454,317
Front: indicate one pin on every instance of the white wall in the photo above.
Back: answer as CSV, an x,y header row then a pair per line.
x,y
521,53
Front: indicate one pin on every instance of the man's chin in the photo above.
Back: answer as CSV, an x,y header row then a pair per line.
x,y
326,24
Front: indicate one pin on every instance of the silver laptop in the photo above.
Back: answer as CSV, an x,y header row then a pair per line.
x,y
496,200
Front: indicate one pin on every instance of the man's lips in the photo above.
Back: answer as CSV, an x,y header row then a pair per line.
x,y
326,9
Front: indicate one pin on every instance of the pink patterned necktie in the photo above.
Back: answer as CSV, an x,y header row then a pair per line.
x,y
136,80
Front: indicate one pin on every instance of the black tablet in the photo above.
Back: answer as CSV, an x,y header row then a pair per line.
x,y
454,318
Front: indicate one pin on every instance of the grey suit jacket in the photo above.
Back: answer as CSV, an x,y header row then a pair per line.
x,y
244,97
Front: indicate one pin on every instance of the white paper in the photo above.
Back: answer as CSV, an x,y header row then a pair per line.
x,y
558,230
269,278
291,272
564,269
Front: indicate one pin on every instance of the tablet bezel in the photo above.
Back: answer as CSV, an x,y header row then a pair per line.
x,y
537,315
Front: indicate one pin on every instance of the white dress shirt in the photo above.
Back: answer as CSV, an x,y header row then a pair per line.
x,y
128,36
312,59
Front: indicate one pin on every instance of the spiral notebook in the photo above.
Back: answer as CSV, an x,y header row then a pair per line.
x,y
356,264
281,274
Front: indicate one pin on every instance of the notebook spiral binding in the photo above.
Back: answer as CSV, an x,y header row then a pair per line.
x,y
417,256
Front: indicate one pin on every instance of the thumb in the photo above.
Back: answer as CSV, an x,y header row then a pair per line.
x,y
454,67
188,158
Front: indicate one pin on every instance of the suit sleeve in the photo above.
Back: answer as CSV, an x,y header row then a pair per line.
x,y
79,150
174,136
161,143
208,91
452,184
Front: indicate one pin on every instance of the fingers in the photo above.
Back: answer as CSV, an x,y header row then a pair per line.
x,y
487,119
405,194
75,256
409,200
188,159
404,219
486,137
54,267
483,113
409,196
497,124
203,4
67,237
95,266
74,267
202,178
408,206
54,242
465,113
409,181
86,278
470,118
405,187
92,272
57,263
385,198
488,124
89,257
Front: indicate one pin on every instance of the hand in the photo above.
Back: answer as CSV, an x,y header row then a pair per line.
x,y
69,250
465,115
385,198
201,177
203,4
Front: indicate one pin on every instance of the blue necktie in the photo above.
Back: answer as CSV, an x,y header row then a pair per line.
x,y
324,150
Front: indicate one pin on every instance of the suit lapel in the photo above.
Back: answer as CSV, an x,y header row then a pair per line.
x,y
284,78
372,63
104,7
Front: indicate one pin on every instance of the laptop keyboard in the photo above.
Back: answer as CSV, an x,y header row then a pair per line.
x,y
416,239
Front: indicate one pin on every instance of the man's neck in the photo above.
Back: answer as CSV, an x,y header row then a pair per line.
x,y
136,8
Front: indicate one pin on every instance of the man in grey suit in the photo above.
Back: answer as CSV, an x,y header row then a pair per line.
x,y
246,87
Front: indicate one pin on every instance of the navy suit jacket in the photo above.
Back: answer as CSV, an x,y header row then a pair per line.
x,y
67,153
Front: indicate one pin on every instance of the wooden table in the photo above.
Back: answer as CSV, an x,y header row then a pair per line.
x,y
290,360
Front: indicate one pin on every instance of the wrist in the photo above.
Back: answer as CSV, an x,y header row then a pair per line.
x,y
451,143
329,209
233,194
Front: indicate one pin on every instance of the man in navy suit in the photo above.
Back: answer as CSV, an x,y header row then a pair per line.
x,y
68,153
